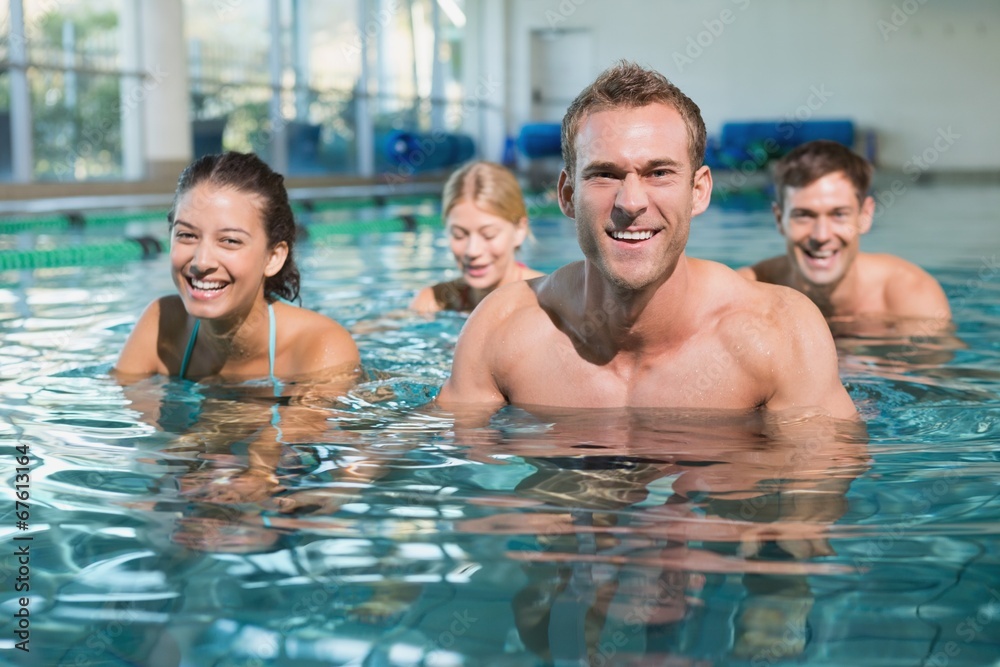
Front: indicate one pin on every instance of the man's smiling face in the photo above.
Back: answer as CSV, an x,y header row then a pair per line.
x,y
633,193
822,224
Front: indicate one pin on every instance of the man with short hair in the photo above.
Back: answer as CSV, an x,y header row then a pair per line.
x,y
822,208
637,323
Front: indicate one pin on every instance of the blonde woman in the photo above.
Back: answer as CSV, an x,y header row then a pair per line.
x,y
486,221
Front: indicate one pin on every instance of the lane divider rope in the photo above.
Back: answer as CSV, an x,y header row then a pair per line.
x,y
146,247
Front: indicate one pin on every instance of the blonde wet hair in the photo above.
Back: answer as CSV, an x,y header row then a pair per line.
x,y
488,186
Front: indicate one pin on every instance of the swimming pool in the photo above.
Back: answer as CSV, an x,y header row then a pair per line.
x,y
607,537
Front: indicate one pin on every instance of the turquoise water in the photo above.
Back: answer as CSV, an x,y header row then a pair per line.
x,y
605,537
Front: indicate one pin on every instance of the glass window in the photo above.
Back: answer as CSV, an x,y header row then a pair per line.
x,y
327,65
6,159
74,77
6,156
414,76
228,66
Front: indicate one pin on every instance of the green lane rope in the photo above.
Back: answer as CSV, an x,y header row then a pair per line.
x,y
369,202
122,217
141,248
61,222
332,231
47,224
80,255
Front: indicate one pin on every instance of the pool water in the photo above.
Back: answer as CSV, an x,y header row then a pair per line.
x,y
605,537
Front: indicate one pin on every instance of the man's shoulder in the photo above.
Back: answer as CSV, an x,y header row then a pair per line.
x,y
514,300
524,308
895,274
907,289
773,330
771,270
884,266
767,312
736,295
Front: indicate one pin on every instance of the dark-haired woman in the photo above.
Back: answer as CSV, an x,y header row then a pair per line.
x,y
231,237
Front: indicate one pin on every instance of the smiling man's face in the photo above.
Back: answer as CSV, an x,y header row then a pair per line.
x,y
633,193
822,224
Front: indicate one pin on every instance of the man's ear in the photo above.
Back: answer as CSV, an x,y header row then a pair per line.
x,y
701,190
564,190
276,259
778,213
867,215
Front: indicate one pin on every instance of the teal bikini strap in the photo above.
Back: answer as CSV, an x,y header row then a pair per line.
x,y
189,348
272,337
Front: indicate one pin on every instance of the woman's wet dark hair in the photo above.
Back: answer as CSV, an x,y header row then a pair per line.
x,y
245,172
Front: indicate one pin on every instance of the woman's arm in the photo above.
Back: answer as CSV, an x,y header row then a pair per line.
x,y
140,357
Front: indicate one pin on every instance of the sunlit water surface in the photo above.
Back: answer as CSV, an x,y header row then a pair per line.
x,y
604,537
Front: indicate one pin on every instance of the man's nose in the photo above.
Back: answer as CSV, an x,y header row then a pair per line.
x,y
632,199
822,230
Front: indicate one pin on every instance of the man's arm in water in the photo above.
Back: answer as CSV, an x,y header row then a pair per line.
x,y
473,382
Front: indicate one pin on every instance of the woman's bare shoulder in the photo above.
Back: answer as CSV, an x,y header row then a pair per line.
x,y
155,343
315,340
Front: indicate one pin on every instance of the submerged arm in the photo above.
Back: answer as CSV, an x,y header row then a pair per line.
x,y
473,389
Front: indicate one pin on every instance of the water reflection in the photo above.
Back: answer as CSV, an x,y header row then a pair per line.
x,y
619,538
629,512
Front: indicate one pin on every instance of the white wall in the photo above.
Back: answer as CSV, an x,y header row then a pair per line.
x,y
909,69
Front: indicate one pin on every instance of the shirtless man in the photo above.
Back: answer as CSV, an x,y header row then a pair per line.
x,y
638,323
822,209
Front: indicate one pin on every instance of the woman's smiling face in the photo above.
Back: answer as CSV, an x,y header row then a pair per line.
x,y
484,245
219,251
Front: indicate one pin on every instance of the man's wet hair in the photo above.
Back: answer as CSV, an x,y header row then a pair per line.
x,y
626,85
812,161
